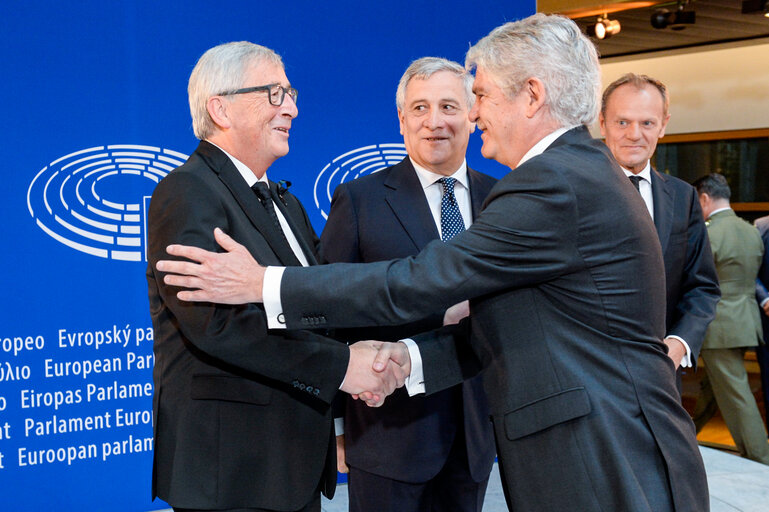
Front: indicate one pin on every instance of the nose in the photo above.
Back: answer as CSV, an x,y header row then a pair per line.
x,y
473,114
634,131
434,119
289,108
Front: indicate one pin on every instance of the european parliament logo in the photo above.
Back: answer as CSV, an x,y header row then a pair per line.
x,y
95,200
352,165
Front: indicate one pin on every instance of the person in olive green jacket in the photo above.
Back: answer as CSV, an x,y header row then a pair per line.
x,y
738,250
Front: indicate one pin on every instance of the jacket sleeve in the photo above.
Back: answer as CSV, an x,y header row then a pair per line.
x,y
700,292
499,251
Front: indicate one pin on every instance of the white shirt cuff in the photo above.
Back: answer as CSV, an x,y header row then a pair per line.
x,y
415,382
763,302
271,297
339,426
686,361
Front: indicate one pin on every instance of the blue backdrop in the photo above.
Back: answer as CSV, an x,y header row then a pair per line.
x,y
95,111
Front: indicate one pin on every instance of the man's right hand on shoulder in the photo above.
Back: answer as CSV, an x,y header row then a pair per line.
x,y
231,277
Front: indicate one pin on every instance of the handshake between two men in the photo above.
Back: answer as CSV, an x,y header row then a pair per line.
x,y
376,368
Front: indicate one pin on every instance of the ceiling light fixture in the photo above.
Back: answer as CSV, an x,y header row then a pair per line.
x,y
677,20
604,28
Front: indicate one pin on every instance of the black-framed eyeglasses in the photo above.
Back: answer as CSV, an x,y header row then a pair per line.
x,y
276,93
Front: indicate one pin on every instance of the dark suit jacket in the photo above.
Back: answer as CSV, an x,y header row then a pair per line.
x,y
566,277
380,217
690,275
762,290
242,415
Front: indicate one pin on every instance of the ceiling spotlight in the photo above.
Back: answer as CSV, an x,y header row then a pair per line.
x,y
604,28
663,18
755,6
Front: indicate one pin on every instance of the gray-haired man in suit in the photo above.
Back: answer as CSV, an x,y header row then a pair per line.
x,y
427,453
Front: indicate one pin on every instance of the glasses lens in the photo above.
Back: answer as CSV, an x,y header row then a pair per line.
x,y
276,95
293,93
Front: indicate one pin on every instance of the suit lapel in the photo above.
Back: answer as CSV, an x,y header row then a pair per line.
x,y
477,194
246,199
409,204
292,212
663,207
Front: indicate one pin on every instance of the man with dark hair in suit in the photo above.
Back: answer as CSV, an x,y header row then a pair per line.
x,y
737,250
241,415
565,277
426,453
634,115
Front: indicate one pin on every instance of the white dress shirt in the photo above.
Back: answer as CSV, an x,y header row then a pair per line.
x,y
434,192
251,179
645,186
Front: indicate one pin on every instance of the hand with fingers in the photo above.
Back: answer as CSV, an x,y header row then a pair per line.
x,y
231,277
390,358
371,374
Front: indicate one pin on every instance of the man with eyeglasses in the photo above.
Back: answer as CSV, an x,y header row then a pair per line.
x,y
242,416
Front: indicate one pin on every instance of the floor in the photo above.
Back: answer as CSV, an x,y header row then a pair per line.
x,y
736,485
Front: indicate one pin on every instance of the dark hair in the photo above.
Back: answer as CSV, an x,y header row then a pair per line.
x,y
714,185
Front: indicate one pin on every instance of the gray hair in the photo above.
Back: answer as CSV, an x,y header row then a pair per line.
x,y
551,48
222,68
424,68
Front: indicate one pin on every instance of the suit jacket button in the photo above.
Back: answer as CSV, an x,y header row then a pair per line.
x,y
309,389
316,392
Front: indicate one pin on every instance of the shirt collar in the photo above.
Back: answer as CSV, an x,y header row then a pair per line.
x,y
645,174
243,169
718,211
427,178
544,143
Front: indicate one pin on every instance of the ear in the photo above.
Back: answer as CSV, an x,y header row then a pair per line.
x,y
602,124
535,90
218,109
401,120
664,125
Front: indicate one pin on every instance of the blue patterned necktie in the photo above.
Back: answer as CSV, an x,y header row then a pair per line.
x,y
451,219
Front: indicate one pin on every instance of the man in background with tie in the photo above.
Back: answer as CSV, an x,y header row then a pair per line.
x,y
242,416
633,117
426,453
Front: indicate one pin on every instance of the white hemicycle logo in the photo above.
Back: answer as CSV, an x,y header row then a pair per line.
x,y
95,200
352,165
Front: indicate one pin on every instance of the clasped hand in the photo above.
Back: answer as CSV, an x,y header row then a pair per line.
x,y
375,370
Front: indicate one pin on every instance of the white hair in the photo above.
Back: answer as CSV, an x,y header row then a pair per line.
x,y
221,69
424,68
551,48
